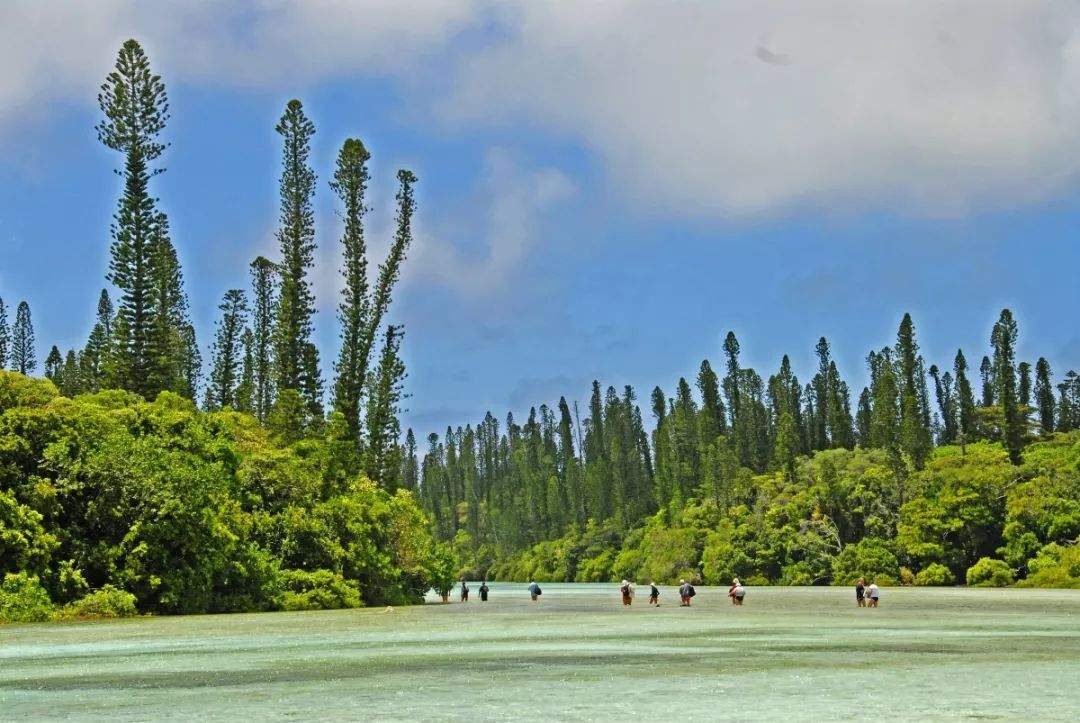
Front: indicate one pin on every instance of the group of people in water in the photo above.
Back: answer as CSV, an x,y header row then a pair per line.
x,y
737,593
865,595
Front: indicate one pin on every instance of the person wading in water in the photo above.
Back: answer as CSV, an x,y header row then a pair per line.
x,y
654,594
464,591
535,592
483,591
627,593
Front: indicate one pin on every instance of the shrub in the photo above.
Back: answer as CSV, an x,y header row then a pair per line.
x,y
1054,566
870,558
596,569
989,572
933,575
318,590
24,600
108,602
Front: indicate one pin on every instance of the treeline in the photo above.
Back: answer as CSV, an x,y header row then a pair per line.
x,y
497,489
262,359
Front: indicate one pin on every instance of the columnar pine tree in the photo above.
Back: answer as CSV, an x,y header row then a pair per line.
x,y
965,399
1044,395
135,107
245,390
1012,423
350,184
54,365
296,235
1024,369
96,353
986,372
915,437
410,468
382,461
23,358
264,283
171,324
5,335
228,350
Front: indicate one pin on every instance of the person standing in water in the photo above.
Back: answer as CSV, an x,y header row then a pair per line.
x,y
535,592
860,592
627,593
686,591
464,591
654,594
483,591
736,592
873,593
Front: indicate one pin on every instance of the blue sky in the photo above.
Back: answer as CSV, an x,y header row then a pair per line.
x,y
602,194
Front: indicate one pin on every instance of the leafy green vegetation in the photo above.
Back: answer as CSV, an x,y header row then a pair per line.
x,y
188,511
845,514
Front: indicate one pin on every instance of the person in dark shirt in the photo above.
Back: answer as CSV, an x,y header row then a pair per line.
x,y
860,593
483,591
686,591
535,592
464,591
654,594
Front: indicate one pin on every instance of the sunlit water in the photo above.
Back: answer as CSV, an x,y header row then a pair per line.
x,y
791,653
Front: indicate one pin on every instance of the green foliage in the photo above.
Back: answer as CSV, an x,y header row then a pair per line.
x,y
870,558
108,602
934,574
990,572
317,590
23,600
194,512
1054,566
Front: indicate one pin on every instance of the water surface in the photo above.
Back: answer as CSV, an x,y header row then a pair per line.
x,y
792,653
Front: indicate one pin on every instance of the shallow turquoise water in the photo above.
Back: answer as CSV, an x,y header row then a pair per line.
x,y
792,653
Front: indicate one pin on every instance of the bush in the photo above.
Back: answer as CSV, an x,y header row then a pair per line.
x,y
870,558
935,575
318,590
24,600
989,572
108,602
596,569
1054,566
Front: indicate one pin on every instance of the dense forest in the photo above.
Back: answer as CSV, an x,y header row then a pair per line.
x,y
119,493
920,478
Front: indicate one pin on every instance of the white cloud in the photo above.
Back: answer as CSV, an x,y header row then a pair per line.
x,y
518,198
924,107
60,49
738,107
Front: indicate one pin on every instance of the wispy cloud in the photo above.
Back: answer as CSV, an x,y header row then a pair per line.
x,y
518,198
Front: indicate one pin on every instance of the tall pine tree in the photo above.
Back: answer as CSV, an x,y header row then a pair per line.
x,y
23,357
136,108
296,235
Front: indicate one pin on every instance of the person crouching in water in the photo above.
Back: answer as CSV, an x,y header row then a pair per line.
x,y
535,592
464,591
483,591
654,594
860,592
627,593
736,592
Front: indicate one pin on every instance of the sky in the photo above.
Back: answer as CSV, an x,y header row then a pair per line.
x,y
605,188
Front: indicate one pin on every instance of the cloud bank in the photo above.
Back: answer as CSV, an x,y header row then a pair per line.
x,y
735,108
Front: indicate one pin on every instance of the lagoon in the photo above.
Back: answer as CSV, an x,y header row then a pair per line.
x,y
792,653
